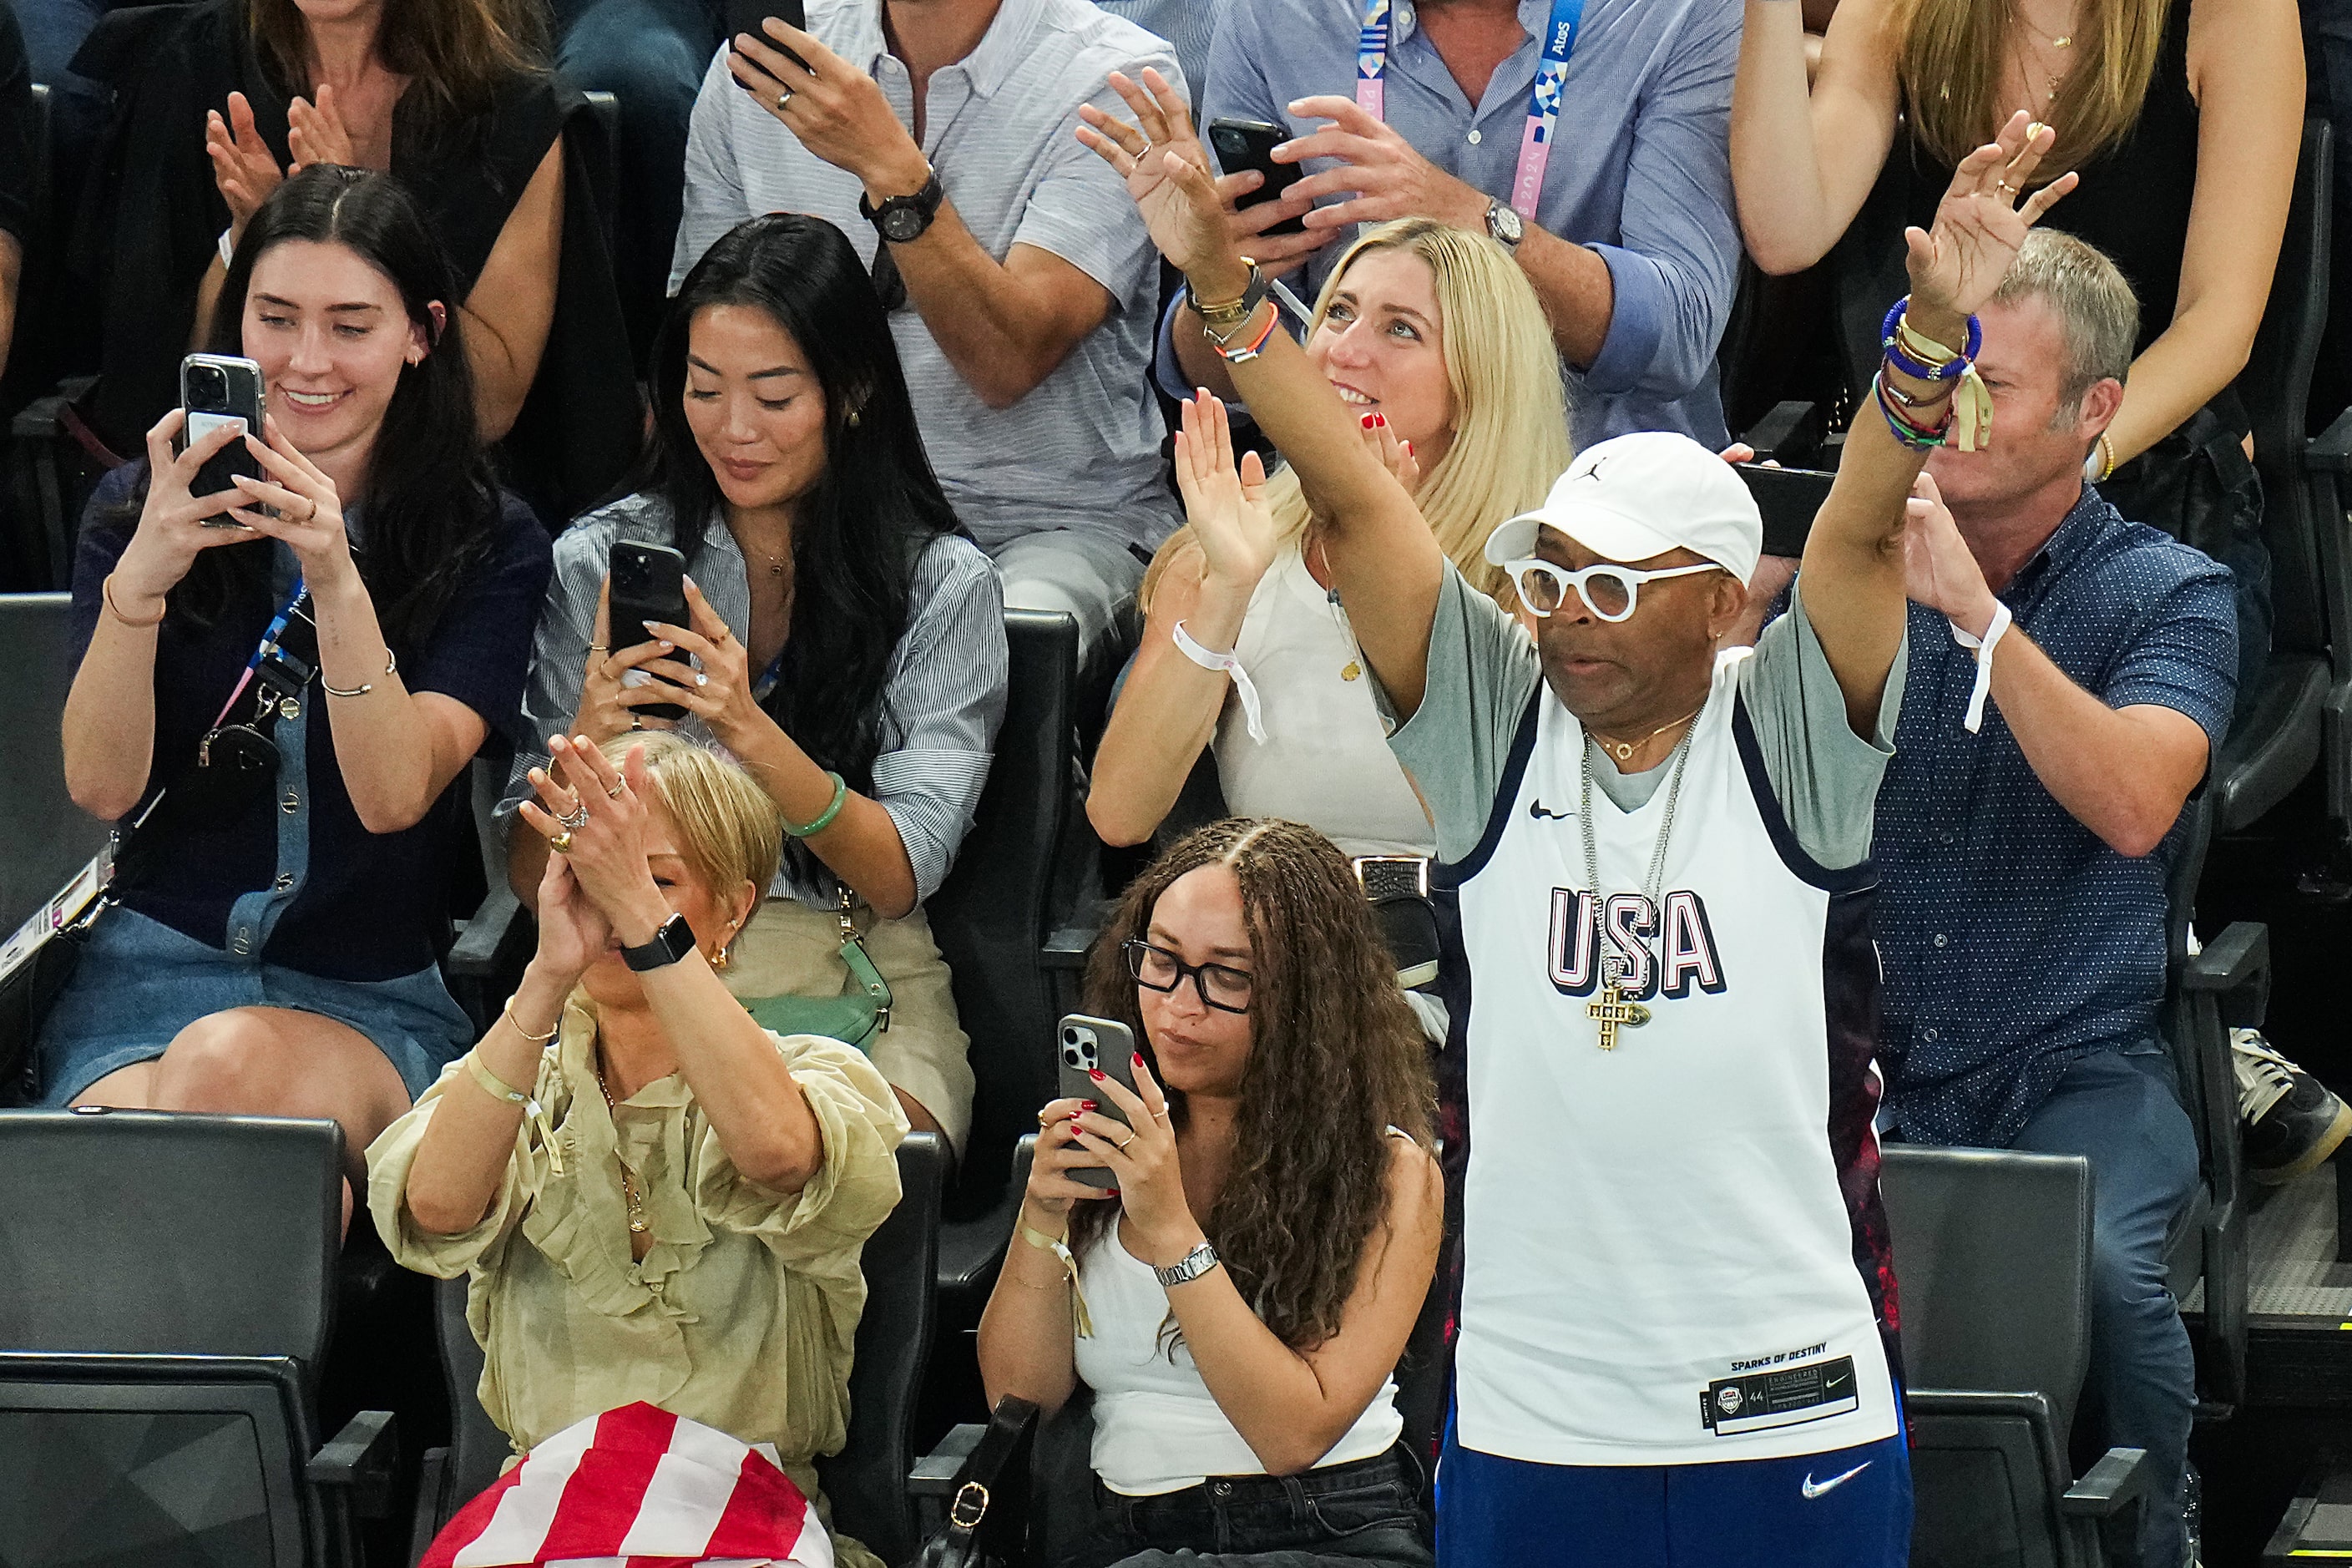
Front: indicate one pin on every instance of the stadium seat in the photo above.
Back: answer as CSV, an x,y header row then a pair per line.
x,y
1993,1253
43,836
991,919
171,1290
866,1482
603,160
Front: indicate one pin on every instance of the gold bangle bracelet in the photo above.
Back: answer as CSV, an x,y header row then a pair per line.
x,y
106,596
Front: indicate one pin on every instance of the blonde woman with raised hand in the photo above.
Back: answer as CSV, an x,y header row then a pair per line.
x,y
1435,339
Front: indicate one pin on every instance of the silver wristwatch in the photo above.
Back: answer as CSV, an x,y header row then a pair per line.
x,y
1190,1266
1502,224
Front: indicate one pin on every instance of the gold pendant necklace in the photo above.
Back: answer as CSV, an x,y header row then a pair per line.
x,y
1624,749
1354,669
628,1182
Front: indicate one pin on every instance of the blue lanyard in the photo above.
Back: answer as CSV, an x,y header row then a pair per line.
x,y
266,648
1543,98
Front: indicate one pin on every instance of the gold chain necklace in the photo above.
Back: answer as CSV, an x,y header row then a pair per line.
x,y
628,1182
1623,749
1354,669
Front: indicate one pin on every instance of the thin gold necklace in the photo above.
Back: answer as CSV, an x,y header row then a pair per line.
x,y
1623,749
628,1182
1354,669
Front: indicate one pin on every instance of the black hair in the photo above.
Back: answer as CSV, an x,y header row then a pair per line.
x,y
877,504
432,503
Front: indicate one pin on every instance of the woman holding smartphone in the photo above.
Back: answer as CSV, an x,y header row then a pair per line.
x,y
845,642
1245,1286
273,953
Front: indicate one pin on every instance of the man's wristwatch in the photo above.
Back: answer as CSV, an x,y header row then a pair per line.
x,y
903,219
1190,1266
1504,226
673,941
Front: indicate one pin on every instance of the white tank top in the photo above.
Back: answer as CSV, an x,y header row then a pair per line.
x,y
1660,1254
1324,760
1157,1427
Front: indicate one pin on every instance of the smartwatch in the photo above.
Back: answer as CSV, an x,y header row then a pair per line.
x,y
902,218
1504,227
673,941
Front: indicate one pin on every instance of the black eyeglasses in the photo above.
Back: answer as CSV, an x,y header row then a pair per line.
x,y
1219,986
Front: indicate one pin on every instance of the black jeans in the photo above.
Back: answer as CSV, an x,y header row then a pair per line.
x,y
1363,1515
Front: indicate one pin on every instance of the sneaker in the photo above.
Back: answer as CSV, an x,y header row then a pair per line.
x,y
2292,1123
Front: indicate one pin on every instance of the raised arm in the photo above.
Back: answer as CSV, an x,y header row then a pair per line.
x,y
1853,563
1386,564
1802,162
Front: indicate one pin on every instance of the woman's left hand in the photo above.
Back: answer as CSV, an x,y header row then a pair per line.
x,y
310,512
317,134
1143,1160
596,817
720,693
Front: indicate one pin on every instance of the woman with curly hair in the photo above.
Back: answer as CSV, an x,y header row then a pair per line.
x,y
1239,1309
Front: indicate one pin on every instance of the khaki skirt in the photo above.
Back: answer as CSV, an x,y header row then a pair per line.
x,y
791,950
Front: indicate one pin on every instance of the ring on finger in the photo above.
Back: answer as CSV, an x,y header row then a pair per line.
x,y
615,791
561,843
1125,1142
576,817
783,98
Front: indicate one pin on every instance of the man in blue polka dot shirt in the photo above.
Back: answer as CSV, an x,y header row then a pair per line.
x,y
2071,675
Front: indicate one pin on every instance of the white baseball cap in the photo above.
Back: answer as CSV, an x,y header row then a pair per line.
x,y
1638,496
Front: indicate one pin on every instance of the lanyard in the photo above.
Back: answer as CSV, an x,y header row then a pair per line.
x,y
267,648
1543,99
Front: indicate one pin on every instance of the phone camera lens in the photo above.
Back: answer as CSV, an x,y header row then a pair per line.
x,y
208,386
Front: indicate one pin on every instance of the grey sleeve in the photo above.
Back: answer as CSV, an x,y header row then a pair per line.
x,y
1825,776
1483,671
943,701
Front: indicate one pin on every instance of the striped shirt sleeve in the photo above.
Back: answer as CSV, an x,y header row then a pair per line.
x,y
942,707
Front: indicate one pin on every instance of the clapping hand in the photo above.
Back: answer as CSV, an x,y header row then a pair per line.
x,y
244,168
1225,505
1980,227
317,134
595,815
1939,569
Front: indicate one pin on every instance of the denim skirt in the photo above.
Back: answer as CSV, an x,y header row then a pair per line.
x,y
140,983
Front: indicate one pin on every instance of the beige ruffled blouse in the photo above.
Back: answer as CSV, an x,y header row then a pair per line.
x,y
743,1315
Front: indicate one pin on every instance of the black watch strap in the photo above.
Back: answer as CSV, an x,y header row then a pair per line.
x,y
924,204
671,943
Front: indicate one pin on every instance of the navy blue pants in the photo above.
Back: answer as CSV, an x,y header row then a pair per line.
x,y
2120,1113
1849,1508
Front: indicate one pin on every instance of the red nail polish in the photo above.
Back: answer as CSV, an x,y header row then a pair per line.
x,y
1139,1059
1088,1105
1096,1074
1368,420
1381,419
1110,1192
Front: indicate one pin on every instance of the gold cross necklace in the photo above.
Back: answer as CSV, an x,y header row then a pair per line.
x,y
1610,1008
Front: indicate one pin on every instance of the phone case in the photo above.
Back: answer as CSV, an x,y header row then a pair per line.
x,y
1249,144
745,17
633,604
1085,1043
238,403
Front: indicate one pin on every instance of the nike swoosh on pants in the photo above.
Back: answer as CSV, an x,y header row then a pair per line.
x,y
1814,1489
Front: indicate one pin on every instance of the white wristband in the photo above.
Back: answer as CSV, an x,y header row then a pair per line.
x,y
1242,685
229,247
1974,721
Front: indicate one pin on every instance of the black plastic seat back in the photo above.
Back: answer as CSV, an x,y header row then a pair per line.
x,y
43,836
990,917
866,1481
1992,1257
2275,387
1986,1475
132,1232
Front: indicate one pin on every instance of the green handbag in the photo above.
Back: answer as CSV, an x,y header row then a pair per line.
x,y
854,1017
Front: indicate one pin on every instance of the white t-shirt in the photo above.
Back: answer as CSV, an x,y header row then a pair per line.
x,y
1325,759
1157,1427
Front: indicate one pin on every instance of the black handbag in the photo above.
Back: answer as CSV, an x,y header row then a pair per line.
x,y
988,1510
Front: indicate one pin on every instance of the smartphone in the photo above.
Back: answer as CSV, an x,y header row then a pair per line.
x,y
745,17
649,584
1249,144
1788,498
217,390
1088,1043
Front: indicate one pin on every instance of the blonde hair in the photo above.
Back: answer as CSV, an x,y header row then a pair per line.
x,y
1949,55
2096,309
729,832
1510,417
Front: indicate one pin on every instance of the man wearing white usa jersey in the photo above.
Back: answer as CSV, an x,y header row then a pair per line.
x,y
1669,1354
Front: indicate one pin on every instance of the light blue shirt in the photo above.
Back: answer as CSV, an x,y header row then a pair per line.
x,y
1639,170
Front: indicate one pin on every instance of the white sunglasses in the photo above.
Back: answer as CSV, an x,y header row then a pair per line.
x,y
1608,591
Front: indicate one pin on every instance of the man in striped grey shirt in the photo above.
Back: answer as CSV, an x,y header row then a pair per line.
x,y
1029,283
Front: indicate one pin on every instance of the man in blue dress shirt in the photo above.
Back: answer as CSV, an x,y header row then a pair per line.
x,y
2071,676
1626,228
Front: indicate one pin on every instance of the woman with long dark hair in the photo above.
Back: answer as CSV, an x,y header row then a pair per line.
x,y
847,643
273,952
1245,1287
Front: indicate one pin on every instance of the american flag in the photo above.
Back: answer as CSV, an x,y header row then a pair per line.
x,y
637,1488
